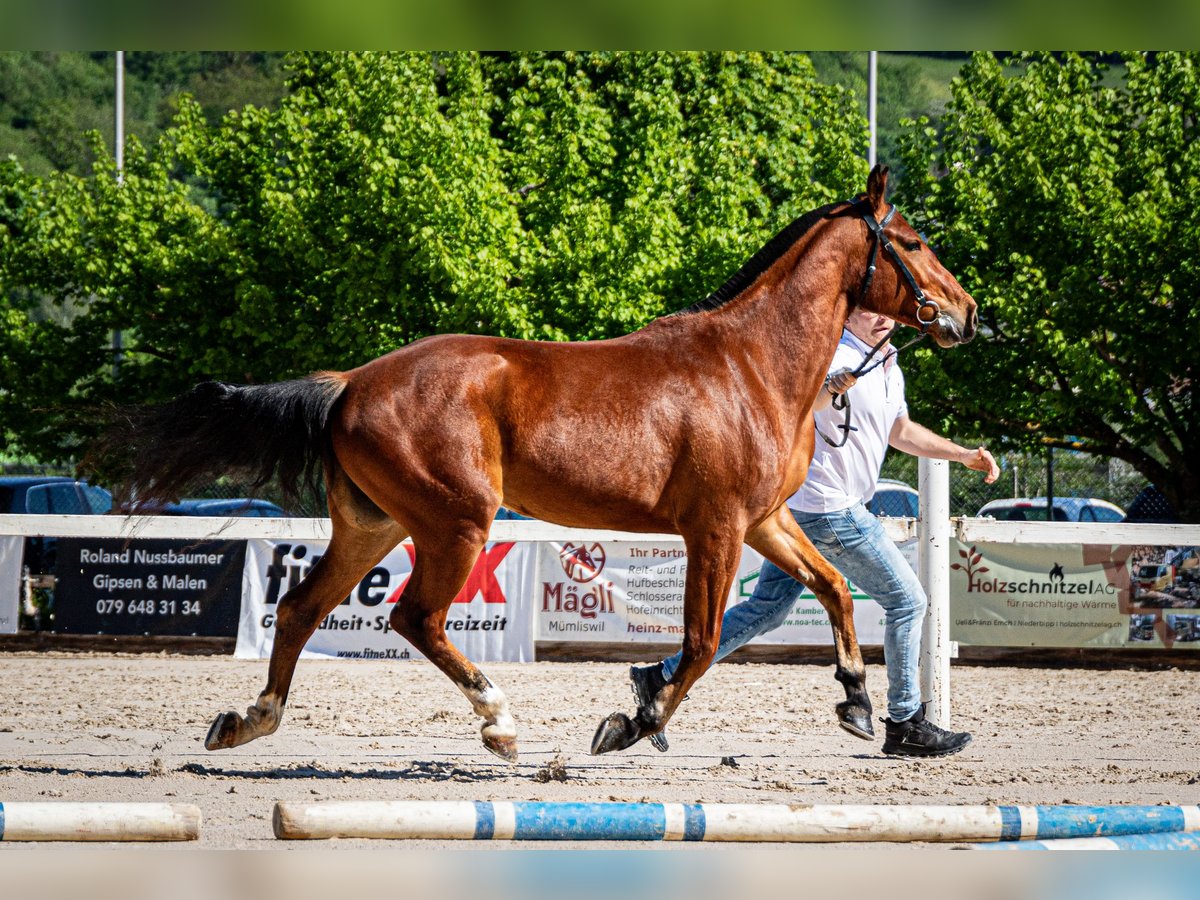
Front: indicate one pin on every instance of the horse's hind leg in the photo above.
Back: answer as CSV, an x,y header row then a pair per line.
x,y
439,572
712,566
362,536
783,542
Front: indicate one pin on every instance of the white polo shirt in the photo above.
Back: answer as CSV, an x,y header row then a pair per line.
x,y
840,477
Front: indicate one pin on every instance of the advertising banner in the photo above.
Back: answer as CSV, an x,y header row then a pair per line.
x,y
623,591
167,587
1072,595
489,620
11,551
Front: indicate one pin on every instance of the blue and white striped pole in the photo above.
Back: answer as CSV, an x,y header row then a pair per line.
x,y
1159,841
535,821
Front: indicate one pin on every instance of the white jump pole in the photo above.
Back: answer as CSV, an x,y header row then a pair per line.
x,y
798,823
65,821
933,535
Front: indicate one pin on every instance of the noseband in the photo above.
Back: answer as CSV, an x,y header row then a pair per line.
x,y
842,401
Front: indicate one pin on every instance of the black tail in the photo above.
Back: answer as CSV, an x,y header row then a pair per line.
x,y
251,432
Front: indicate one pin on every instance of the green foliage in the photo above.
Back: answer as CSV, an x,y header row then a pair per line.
x,y
391,196
50,100
1067,205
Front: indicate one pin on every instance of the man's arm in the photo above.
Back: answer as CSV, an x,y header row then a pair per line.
x,y
917,440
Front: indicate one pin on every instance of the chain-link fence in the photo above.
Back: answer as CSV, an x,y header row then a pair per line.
x,y
1059,473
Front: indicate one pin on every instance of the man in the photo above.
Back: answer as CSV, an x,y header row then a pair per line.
x,y
829,508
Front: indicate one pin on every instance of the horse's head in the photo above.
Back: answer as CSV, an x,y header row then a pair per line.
x,y
904,279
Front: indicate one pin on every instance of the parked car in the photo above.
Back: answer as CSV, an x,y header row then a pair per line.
x,y
895,498
238,507
49,495
1150,505
52,495
1066,509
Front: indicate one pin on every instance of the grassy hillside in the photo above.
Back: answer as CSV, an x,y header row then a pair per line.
x,y
910,85
49,100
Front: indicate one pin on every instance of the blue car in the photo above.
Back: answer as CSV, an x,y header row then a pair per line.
x,y
52,495
895,498
238,507
49,495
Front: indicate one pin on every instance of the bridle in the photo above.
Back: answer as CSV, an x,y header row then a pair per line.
x,y
923,303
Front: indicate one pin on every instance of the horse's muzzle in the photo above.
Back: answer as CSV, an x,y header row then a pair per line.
x,y
949,332
972,324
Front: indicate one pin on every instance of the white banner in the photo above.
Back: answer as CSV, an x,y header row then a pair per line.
x,y
1075,595
628,592
11,552
489,620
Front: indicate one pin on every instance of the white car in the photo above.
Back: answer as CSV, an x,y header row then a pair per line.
x,y
1066,509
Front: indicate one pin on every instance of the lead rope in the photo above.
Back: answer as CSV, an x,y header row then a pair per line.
x,y
842,401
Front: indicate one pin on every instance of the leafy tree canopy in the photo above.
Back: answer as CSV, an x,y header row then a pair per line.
x,y
1069,209
390,196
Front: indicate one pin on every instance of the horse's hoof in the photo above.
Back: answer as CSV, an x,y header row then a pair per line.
x,y
856,720
223,733
616,732
503,747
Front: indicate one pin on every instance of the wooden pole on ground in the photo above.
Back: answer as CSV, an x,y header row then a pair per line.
x,y
66,821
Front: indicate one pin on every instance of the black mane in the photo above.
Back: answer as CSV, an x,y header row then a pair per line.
x,y
760,261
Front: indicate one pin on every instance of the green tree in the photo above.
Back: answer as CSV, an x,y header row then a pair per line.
x,y
1069,209
390,196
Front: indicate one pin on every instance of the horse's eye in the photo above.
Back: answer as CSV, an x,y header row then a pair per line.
x,y
912,245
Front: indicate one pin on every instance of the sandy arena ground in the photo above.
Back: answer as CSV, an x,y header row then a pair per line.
x,y
130,727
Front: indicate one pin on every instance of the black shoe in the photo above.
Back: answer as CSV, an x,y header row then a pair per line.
x,y
919,737
646,682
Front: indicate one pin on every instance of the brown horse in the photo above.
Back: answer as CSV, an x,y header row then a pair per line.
x,y
698,424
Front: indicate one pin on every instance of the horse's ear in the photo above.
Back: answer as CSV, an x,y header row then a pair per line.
x,y
877,190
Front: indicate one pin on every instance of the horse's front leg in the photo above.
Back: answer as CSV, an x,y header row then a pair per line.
x,y
353,550
712,566
783,542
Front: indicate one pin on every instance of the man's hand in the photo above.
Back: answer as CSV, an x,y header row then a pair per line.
x,y
981,460
839,382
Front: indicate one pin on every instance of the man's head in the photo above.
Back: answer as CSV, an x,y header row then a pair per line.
x,y
868,327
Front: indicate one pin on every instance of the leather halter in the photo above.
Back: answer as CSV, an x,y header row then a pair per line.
x,y
842,401
881,239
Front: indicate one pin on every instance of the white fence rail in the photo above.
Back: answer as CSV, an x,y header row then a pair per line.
x,y
198,527
970,530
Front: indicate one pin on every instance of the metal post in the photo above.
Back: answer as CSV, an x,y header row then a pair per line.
x,y
871,83
1049,484
119,130
119,156
933,536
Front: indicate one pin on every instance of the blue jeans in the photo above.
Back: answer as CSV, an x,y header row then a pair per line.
x,y
854,541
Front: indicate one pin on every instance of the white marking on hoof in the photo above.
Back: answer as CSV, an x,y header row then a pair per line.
x,y
261,719
491,705
264,716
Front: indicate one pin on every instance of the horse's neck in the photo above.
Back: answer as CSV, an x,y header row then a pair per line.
x,y
791,319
